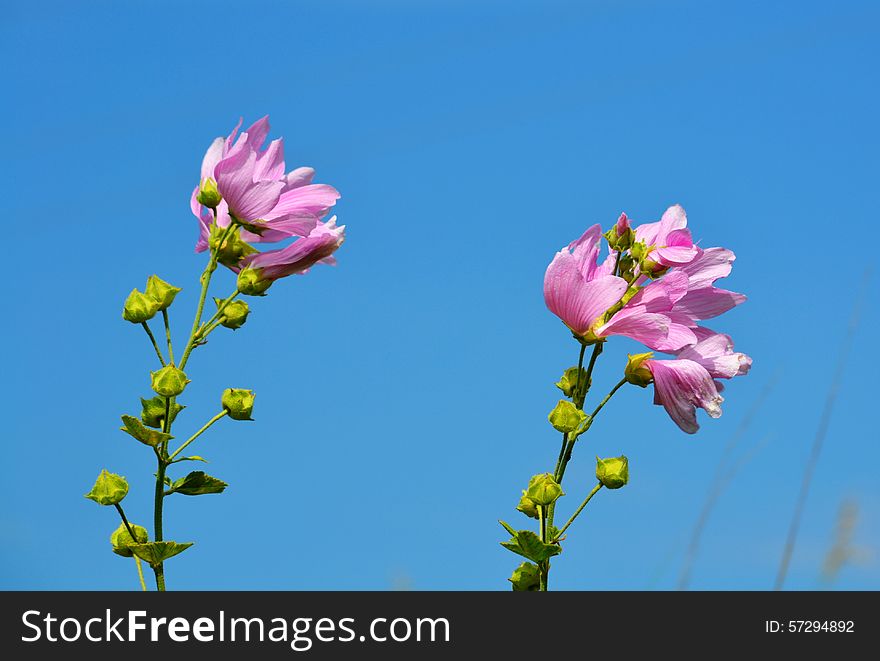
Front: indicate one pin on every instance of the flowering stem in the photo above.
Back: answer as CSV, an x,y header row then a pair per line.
x,y
168,335
578,511
205,279
197,434
214,321
153,340
137,562
588,424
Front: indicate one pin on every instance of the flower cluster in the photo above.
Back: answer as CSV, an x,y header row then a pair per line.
x,y
655,286
245,197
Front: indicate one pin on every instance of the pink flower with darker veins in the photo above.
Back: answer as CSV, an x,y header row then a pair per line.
x,y
654,286
270,204
686,383
257,272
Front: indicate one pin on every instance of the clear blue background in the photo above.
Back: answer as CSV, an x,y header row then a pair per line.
x,y
402,397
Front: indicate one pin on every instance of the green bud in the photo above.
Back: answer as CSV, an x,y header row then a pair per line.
x,y
168,381
527,506
526,578
153,411
569,381
233,248
208,195
543,489
238,403
234,314
652,269
635,371
161,292
639,250
612,472
566,417
109,489
251,282
625,240
139,307
121,539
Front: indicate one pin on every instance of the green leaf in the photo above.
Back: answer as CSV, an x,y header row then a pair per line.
x,y
198,483
507,527
136,429
195,457
529,545
155,553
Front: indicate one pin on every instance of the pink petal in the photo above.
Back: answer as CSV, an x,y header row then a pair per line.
x,y
257,132
576,302
681,386
212,157
709,265
270,163
247,200
649,328
708,302
299,177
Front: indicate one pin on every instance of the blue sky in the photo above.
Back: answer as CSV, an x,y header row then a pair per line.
x,y
402,396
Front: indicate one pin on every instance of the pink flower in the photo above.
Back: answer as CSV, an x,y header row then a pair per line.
x,y
581,292
688,382
256,191
258,271
669,238
576,289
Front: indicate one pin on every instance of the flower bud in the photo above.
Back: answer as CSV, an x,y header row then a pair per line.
x,y
526,578
161,292
234,314
635,371
139,307
238,403
569,381
121,539
208,195
252,283
566,417
612,472
543,489
153,411
168,381
109,489
527,506
233,248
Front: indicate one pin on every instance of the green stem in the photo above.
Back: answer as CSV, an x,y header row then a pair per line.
x,y
597,350
197,434
168,335
205,279
126,523
588,424
578,511
153,341
158,500
543,567
137,561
